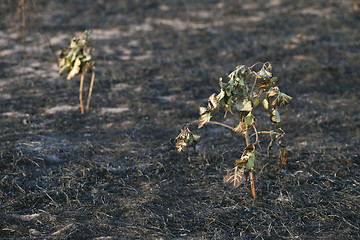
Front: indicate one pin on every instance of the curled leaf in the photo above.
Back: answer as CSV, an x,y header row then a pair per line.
x,y
213,102
250,148
274,115
75,69
263,73
205,116
284,99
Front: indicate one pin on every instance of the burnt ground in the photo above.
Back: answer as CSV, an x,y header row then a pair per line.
x,y
113,172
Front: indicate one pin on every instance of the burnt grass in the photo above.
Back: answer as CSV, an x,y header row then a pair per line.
x,y
113,172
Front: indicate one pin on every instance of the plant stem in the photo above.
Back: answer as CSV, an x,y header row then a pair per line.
x,y
90,89
247,138
214,122
221,124
80,93
252,185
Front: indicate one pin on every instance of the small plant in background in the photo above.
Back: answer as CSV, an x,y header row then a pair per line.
x,y
77,60
244,91
355,5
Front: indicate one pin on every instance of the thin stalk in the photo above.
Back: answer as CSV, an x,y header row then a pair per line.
x,y
247,137
221,124
215,123
90,89
252,183
80,93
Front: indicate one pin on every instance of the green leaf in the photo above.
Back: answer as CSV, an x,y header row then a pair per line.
x,y
246,106
64,70
256,101
274,116
228,91
251,162
264,73
274,80
249,119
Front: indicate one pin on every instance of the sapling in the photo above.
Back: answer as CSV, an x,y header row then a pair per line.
x,y
244,91
77,60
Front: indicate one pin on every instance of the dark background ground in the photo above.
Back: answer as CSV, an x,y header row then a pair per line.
x,y
113,173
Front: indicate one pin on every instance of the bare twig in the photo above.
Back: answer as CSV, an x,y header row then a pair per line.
x,y
80,92
90,89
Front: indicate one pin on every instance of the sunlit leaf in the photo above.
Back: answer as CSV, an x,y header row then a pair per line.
x,y
265,104
220,96
204,117
213,102
274,91
244,106
75,69
180,145
235,177
202,110
241,127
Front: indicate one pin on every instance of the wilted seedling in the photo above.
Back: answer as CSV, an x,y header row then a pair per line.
x,y
243,92
77,60
186,139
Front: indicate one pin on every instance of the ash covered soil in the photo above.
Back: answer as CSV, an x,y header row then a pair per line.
x,y
113,172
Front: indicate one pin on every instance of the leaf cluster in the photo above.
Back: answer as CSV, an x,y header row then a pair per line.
x,y
242,93
186,139
76,59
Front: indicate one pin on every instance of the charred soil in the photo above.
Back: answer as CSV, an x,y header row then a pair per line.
x,y
113,172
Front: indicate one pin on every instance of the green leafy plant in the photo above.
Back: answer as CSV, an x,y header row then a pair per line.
x,y
77,60
244,91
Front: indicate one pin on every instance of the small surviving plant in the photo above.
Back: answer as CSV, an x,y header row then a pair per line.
x,y
240,96
77,60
